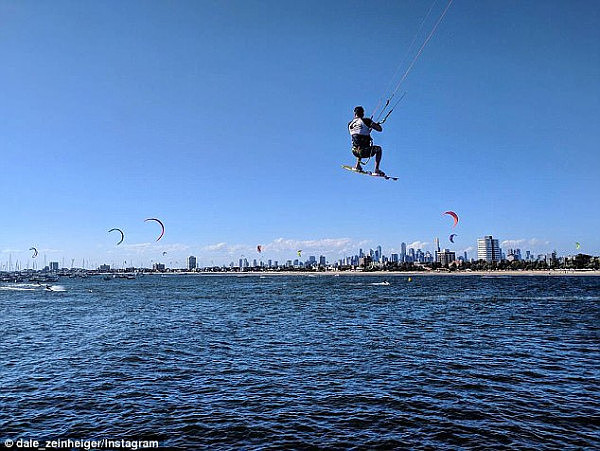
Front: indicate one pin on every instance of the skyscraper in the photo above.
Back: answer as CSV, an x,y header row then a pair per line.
x,y
419,256
191,263
446,257
488,249
403,252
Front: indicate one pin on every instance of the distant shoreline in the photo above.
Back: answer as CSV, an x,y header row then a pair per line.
x,y
550,273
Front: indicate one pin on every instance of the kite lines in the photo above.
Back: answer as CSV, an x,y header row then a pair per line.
x,y
381,113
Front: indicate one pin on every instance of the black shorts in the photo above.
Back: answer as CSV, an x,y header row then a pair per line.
x,y
365,152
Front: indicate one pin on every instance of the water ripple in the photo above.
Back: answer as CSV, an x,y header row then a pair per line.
x,y
282,362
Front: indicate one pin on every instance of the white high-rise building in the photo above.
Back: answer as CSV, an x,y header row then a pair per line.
x,y
488,249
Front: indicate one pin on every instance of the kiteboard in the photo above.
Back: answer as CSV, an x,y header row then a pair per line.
x,y
372,174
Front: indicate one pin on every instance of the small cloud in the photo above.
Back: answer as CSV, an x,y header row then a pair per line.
x,y
513,243
532,242
227,249
139,247
215,247
417,245
323,245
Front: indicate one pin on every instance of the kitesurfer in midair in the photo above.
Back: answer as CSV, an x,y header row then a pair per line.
x,y
362,144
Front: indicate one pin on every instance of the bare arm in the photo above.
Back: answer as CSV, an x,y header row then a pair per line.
x,y
372,124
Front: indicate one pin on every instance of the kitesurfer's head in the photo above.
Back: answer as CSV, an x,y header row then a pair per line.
x,y
359,111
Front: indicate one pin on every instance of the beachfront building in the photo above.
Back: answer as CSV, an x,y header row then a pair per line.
x,y
191,263
446,257
488,249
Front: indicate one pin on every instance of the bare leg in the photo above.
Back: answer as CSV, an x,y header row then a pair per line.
x,y
378,154
358,167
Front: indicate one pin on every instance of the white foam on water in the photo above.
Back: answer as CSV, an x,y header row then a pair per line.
x,y
17,289
56,288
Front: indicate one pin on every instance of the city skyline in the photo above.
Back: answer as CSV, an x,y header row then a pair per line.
x,y
228,122
417,251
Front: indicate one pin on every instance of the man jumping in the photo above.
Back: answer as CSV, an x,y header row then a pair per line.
x,y
362,143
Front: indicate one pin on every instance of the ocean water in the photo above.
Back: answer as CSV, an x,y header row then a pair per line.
x,y
297,362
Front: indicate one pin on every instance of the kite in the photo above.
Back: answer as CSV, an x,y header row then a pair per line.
x,y
299,252
121,232
162,226
35,252
452,237
259,248
454,215
165,253
577,245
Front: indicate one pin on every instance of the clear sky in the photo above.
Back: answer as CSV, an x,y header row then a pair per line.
x,y
228,120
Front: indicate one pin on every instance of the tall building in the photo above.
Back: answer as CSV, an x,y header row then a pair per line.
x,y
378,254
322,260
191,263
403,252
446,257
420,256
488,249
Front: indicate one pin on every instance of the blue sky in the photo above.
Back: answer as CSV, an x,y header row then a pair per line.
x,y
227,120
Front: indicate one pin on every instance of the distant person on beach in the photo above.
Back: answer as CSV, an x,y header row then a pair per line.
x,y
362,144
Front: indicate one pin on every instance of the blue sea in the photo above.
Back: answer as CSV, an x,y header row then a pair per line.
x,y
305,362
